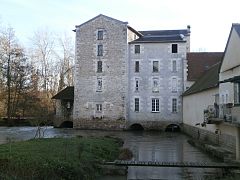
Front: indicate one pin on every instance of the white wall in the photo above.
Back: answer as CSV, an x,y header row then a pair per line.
x,y
194,105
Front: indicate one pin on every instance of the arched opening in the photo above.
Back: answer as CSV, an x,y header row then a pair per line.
x,y
173,128
67,124
136,127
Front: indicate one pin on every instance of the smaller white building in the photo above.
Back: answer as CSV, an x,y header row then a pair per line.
x,y
211,110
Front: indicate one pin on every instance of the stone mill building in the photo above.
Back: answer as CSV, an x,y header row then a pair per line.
x,y
126,78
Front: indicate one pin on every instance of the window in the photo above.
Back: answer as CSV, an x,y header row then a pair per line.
x,y
174,84
136,104
99,84
155,66
137,49
237,93
100,35
100,50
155,105
155,87
136,66
174,48
99,107
136,85
174,105
174,66
99,66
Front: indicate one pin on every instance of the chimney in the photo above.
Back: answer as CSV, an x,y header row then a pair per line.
x,y
189,28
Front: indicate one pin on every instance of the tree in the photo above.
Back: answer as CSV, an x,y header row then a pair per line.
x,y
15,71
66,57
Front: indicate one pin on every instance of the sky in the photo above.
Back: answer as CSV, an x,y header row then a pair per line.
x,y
210,20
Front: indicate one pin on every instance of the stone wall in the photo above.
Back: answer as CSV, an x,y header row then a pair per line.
x,y
153,125
112,96
99,124
224,140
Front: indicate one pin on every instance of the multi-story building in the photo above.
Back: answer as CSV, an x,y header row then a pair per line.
x,y
125,77
157,71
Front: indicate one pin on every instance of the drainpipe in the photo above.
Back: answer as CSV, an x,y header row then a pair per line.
x,y
238,144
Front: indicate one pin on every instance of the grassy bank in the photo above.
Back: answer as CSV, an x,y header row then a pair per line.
x,y
56,158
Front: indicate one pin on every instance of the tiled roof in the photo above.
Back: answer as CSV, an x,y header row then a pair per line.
x,y
162,36
199,62
208,80
67,94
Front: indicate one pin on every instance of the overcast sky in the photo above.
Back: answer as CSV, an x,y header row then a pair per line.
x,y
210,20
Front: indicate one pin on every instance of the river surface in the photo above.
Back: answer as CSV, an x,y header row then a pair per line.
x,y
146,146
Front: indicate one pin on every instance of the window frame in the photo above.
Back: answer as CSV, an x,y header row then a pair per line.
x,y
174,48
155,69
137,66
100,50
99,84
99,107
174,105
136,104
100,35
137,85
174,82
174,66
99,66
137,49
155,86
237,93
155,105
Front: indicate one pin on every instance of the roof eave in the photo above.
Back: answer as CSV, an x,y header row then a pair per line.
x,y
136,42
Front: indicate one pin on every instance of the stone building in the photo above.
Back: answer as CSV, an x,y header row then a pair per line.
x,y
124,77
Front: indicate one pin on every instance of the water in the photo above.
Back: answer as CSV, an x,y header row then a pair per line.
x,y
146,146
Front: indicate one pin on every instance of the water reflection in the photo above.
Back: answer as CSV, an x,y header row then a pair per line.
x,y
146,146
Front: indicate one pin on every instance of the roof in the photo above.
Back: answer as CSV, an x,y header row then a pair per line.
x,y
135,31
104,17
162,36
199,62
207,81
236,26
235,79
67,94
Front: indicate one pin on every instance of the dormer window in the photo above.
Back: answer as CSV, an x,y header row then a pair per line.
x,y
100,35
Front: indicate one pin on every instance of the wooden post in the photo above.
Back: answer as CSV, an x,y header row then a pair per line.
x,y
238,144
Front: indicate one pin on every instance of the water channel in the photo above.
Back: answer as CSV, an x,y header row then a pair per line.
x,y
146,146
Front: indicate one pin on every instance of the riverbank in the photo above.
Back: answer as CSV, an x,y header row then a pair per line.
x,y
61,158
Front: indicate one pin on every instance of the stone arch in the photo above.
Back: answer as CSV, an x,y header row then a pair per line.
x,y
172,128
136,126
66,124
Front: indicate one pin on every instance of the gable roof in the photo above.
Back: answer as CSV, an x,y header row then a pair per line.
x,y
207,81
235,26
66,94
199,62
163,36
101,15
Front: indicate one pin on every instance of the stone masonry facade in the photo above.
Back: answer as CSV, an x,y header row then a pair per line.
x,y
120,81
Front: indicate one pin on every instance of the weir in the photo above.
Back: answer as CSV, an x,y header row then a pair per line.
x,y
173,164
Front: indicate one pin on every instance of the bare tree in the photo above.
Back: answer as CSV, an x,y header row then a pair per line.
x,y
43,47
66,57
